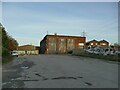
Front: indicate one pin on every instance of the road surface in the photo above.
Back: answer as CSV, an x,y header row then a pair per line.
x,y
60,71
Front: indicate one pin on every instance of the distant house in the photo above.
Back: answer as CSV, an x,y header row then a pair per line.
x,y
27,50
94,43
103,43
61,44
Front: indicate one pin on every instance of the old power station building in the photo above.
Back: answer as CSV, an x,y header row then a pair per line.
x,y
61,44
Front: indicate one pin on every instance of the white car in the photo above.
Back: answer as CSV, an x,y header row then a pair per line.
x,y
14,53
108,51
90,50
117,53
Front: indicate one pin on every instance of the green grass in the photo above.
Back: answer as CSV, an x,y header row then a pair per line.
x,y
7,59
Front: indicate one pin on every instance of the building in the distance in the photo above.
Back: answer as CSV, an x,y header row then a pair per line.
x,y
27,50
61,44
94,43
103,43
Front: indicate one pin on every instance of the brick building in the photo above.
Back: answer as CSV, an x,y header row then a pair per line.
x,y
94,43
27,50
103,43
61,43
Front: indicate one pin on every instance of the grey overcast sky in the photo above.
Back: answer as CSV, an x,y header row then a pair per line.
x,y
28,22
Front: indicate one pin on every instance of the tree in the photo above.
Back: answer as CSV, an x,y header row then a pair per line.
x,y
5,51
8,43
12,44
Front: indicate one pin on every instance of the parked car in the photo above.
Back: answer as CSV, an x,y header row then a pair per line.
x,y
108,51
98,51
117,53
14,53
89,50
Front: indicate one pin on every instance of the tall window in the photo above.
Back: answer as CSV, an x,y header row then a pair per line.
x,y
62,45
70,44
52,44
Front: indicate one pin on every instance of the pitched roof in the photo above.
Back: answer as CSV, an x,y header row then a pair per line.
x,y
26,47
103,41
92,41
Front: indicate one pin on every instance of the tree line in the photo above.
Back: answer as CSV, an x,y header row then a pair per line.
x,y
8,42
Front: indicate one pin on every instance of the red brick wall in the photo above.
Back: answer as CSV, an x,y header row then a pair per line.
x,y
77,40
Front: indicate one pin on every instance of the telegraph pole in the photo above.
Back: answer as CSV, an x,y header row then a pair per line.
x,y
47,32
84,34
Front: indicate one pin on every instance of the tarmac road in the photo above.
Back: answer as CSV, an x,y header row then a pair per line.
x,y
60,71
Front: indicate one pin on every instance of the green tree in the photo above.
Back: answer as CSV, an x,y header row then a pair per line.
x,y
12,44
8,43
5,51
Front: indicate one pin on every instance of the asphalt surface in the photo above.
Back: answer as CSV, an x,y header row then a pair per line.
x,y
59,71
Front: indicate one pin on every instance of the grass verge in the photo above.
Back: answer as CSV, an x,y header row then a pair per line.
x,y
7,59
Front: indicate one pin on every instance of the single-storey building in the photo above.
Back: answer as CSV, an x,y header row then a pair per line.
x,y
61,44
27,50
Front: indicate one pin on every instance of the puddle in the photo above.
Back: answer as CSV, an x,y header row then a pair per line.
x,y
38,74
89,84
79,77
64,78
57,78
31,80
45,79
25,67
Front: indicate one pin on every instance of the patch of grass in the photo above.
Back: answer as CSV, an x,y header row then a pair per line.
x,y
7,59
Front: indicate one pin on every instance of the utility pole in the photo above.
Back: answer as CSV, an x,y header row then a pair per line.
x,y
47,32
84,34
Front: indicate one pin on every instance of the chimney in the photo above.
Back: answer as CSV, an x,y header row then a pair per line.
x,y
55,33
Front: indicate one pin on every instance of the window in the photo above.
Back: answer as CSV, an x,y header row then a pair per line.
x,y
91,43
103,43
70,43
52,44
81,44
